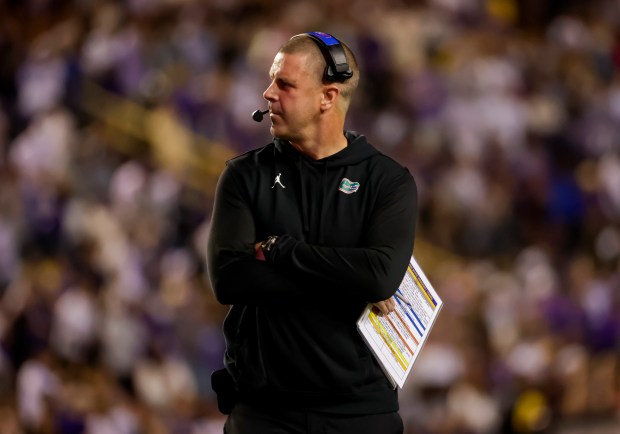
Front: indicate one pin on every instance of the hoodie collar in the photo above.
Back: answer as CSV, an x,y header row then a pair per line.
x,y
358,149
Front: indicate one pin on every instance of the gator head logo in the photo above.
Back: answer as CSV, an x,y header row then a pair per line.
x,y
347,186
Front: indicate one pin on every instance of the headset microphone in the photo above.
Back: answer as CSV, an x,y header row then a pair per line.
x,y
258,115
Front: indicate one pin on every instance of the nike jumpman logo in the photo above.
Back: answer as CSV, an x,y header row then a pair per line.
x,y
277,181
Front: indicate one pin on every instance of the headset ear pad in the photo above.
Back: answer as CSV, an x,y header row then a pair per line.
x,y
331,75
337,68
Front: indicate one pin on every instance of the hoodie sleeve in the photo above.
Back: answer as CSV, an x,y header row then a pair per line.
x,y
373,271
236,276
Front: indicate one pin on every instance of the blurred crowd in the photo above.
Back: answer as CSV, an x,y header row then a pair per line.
x,y
117,116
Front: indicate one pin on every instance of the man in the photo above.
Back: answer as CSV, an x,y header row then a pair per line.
x,y
305,232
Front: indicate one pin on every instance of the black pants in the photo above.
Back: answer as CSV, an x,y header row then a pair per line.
x,y
247,420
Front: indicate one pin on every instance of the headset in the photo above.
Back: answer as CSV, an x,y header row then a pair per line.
x,y
337,69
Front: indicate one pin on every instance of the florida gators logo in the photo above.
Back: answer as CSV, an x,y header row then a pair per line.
x,y
347,186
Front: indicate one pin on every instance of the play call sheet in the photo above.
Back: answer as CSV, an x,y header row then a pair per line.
x,y
397,339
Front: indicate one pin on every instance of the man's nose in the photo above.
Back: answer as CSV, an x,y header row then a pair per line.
x,y
269,94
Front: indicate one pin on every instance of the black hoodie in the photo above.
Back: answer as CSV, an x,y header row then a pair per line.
x,y
346,225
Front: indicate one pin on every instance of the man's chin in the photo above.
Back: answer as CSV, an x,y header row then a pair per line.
x,y
279,133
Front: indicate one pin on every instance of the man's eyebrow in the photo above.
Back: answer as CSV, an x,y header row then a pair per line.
x,y
282,78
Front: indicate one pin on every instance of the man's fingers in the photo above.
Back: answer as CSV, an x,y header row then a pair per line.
x,y
386,306
381,306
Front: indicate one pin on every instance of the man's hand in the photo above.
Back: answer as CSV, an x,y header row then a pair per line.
x,y
259,252
385,306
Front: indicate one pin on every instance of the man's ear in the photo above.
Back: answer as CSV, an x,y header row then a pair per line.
x,y
330,95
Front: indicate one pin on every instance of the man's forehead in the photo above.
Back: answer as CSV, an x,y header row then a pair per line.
x,y
277,63
288,62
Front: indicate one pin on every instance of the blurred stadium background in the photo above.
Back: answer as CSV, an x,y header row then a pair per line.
x,y
116,118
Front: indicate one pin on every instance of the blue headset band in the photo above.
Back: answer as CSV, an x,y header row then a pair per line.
x,y
337,67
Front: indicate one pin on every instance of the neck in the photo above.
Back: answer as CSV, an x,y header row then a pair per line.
x,y
319,149
326,141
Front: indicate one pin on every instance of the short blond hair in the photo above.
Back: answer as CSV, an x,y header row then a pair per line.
x,y
303,43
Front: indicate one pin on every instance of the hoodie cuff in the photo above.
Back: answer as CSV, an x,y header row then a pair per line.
x,y
281,248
